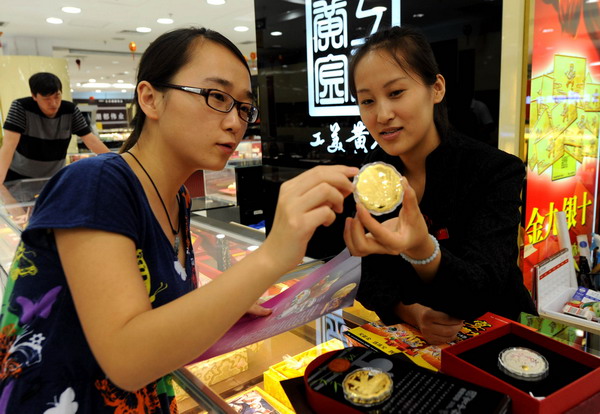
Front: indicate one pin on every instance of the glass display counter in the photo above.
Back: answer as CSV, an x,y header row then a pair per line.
x,y
249,376
16,205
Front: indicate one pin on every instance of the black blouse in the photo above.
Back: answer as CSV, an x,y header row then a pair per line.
x,y
471,202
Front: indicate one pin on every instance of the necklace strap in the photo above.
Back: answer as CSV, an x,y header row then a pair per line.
x,y
175,232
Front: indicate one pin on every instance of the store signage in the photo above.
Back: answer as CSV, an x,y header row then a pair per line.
x,y
335,143
112,113
333,29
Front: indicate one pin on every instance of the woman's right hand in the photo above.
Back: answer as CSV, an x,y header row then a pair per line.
x,y
306,202
436,327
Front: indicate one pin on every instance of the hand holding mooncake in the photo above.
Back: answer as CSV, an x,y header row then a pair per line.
x,y
378,187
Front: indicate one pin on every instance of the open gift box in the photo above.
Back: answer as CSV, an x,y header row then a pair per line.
x,y
573,375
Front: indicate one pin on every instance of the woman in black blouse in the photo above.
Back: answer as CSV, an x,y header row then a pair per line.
x,y
450,252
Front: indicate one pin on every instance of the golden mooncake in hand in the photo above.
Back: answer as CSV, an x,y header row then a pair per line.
x,y
378,187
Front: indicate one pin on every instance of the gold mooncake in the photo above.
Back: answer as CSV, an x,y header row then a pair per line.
x,y
378,187
367,386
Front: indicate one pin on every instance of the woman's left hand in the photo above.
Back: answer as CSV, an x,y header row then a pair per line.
x,y
406,233
257,310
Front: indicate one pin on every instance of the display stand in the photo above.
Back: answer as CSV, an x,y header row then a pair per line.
x,y
554,285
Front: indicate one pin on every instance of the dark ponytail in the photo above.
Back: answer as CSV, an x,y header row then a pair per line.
x,y
163,59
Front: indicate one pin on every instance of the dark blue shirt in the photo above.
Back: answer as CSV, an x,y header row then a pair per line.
x,y
46,360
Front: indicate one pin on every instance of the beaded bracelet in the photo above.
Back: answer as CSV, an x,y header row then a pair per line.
x,y
436,250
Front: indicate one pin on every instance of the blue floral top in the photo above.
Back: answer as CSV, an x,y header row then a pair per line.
x,y
46,363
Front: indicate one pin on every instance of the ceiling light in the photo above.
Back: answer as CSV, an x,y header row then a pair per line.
x,y
143,29
123,90
120,81
95,85
276,33
164,20
54,20
216,2
241,28
123,85
418,15
72,10
98,91
92,80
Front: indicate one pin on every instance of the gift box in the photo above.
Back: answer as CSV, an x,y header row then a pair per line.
x,y
293,367
358,380
572,377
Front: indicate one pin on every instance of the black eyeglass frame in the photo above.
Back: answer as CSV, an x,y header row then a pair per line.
x,y
206,92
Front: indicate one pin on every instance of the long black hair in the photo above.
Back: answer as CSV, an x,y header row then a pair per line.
x,y
411,51
165,56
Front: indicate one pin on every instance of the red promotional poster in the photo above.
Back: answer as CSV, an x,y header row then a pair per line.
x,y
564,118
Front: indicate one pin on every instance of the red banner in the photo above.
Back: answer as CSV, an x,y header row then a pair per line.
x,y
564,118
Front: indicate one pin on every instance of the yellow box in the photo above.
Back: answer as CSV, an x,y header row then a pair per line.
x,y
293,367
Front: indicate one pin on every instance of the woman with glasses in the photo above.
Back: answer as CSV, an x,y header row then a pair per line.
x,y
102,302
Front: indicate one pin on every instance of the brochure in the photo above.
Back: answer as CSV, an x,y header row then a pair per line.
x,y
330,287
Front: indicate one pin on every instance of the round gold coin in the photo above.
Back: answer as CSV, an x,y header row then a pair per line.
x,y
367,386
378,187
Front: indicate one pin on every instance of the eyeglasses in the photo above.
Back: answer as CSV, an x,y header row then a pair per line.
x,y
219,101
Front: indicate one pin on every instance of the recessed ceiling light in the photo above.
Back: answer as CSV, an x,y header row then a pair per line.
x,y
143,29
54,20
95,85
98,91
276,33
91,80
216,2
72,10
123,90
119,80
241,28
164,20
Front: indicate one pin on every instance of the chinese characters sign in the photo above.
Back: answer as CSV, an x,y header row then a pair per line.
x,y
330,38
112,113
358,139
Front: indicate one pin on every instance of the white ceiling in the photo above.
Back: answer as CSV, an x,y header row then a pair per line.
x,y
99,36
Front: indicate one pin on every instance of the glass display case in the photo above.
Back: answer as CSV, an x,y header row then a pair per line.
x,y
254,372
17,199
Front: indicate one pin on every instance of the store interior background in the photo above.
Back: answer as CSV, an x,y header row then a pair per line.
x,y
480,44
467,37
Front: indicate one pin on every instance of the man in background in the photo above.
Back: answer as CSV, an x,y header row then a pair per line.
x,y
38,130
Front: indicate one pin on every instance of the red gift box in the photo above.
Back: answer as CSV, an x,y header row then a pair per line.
x,y
566,397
